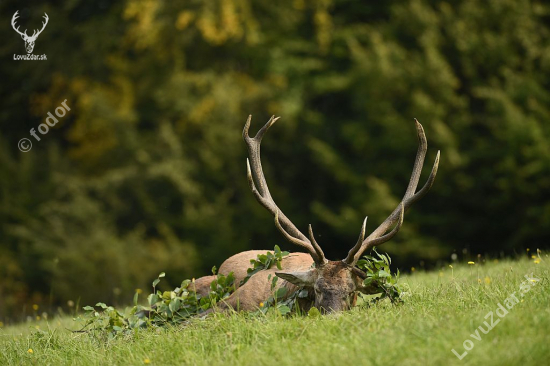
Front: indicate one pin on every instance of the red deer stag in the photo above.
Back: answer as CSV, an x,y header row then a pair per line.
x,y
335,283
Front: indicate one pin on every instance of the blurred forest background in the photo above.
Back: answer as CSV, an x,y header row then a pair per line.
x,y
147,171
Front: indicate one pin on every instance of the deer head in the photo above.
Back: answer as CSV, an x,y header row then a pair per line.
x,y
335,283
29,40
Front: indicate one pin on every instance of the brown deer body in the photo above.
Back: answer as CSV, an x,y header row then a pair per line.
x,y
332,285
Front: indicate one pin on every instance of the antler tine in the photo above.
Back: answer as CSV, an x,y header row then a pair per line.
x,y
316,246
429,182
258,185
418,161
353,252
377,237
15,16
289,237
43,25
392,233
355,249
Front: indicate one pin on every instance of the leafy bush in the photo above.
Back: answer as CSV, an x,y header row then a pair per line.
x,y
163,308
177,306
265,261
379,275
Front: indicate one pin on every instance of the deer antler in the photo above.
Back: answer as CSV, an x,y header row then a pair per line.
x,y
35,34
43,26
15,16
377,237
258,185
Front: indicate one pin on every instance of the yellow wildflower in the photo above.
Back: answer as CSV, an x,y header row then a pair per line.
x,y
147,361
536,261
261,304
30,351
527,249
487,280
35,307
479,280
470,262
413,269
533,256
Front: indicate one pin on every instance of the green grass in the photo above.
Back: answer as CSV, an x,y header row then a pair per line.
x,y
443,309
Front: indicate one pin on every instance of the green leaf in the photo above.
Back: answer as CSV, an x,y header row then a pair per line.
x,y
88,308
156,282
162,274
281,292
152,299
283,309
313,312
175,305
362,263
383,273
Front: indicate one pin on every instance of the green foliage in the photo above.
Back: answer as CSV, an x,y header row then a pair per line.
x,y
162,309
380,278
177,306
265,261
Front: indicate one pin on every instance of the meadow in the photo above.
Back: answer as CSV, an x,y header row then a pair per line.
x,y
442,310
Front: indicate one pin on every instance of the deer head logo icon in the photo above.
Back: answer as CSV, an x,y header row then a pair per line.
x,y
29,40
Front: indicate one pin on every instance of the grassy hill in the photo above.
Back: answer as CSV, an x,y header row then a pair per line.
x,y
442,312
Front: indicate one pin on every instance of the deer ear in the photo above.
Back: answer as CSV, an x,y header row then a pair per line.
x,y
306,278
